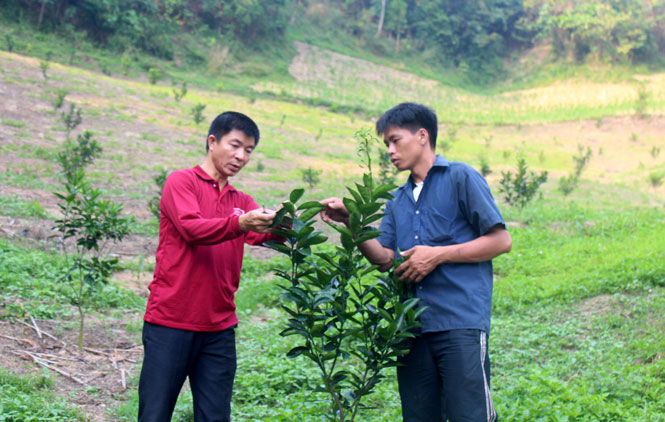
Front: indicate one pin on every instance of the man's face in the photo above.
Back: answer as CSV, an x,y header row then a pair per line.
x,y
404,148
230,153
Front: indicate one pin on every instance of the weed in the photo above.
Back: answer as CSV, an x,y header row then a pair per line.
x,y
180,94
634,137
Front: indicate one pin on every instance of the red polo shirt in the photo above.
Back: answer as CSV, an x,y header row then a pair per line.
x,y
200,251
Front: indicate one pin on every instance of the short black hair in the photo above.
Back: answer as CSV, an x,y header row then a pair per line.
x,y
230,120
410,116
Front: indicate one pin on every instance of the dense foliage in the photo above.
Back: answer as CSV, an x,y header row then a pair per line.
x,y
473,36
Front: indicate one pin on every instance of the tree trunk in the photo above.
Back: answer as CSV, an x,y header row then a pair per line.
x,y
399,36
41,13
383,13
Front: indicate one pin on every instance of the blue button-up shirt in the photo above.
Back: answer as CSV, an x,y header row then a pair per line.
x,y
454,206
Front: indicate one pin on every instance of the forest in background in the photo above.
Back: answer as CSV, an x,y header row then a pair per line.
x,y
476,37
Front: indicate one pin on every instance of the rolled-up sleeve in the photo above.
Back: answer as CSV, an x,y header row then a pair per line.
x,y
476,201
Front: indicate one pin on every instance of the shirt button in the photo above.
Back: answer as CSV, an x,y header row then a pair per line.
x,y
417,212
214,185
416,237
420,287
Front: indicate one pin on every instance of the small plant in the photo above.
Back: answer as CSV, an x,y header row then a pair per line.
x,y
71,119
153,203
599,123
179,94
655,151
353,323
521,187
197,113
311,176
656,179
485,169
318,135
387,171
567,184
154,75
488,141
45,64
126,63
642,101
59,99
281,122
9,40
634,137
74,156
260,166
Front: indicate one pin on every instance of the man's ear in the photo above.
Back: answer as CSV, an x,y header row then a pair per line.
x,y
211,141
423,136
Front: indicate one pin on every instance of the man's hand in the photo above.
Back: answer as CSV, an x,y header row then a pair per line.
x,y
258,220
421,261
334,211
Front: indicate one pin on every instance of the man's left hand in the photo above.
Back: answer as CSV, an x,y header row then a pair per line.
x,y
421,261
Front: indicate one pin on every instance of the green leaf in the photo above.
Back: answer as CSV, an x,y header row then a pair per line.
x,y
296,194
310,204
308,214
296,351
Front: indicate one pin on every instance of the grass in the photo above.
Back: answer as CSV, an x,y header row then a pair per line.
x,y
12,206
31,399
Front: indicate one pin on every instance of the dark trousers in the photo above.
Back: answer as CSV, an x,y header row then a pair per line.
x,y
171,355
446,376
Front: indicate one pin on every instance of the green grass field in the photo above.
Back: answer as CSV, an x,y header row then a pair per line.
x,y
578,303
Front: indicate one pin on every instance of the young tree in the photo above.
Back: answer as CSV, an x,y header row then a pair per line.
x,y
90,222
520,188
353,322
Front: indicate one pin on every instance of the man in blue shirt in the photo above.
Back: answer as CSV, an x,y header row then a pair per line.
x,y
446,222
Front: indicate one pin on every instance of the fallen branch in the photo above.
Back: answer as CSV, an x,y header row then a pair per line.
x,y
52,368
52,337
34,324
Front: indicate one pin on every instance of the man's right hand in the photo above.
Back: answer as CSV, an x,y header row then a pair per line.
x,y
334,211
258,220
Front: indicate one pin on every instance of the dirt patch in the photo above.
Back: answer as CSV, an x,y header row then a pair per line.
x,y
598,305
94,379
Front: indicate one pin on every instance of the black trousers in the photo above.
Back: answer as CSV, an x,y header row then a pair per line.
x,y
446,377
171,355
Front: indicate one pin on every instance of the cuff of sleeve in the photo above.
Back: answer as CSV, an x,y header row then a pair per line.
x,y
234,225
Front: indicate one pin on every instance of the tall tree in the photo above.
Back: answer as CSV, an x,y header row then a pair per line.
x,y
381,16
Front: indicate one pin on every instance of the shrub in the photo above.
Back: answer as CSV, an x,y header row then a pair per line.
x,y
59,100
71,119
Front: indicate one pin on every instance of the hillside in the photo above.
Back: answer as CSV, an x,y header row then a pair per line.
x,y
578,305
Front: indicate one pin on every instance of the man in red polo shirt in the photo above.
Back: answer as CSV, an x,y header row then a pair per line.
x,y
190,320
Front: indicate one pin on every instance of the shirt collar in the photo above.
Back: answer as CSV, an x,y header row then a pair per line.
x,y
198,170
438,162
